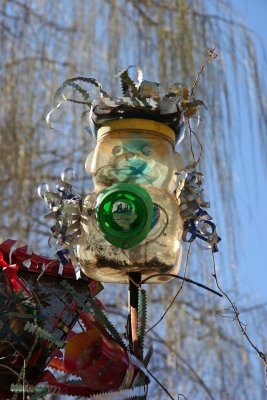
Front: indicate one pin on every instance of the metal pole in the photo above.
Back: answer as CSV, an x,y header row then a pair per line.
x,y
134,283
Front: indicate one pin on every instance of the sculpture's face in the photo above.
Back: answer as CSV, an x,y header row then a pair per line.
x,y
138,158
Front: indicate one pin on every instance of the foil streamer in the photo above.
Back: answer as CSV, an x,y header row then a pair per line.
x,y
135,393
140,99
43,334
65,206
96,310
73,390
128,86
197,222
142,313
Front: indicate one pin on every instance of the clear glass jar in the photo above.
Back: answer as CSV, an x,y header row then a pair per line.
x,y
140,153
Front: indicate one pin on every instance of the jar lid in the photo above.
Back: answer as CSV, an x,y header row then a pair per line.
x,y
131,125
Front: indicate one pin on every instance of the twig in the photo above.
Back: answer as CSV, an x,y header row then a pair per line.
x,y
14,348
176,295
191,131
236,313
160,384
211,56
23,378
191,143
44,270
13,371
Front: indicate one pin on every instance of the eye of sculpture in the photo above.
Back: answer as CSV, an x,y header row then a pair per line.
x,y
117,150
147,150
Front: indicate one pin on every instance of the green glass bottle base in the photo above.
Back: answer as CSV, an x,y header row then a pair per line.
x,y
124,214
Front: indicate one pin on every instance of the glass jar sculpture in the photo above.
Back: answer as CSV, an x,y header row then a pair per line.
x,y
131,221
144,202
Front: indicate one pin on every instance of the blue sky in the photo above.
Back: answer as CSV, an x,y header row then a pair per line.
x,y
252,267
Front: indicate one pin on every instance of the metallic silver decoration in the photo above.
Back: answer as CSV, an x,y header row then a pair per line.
x,y
65,206
141,99
197,222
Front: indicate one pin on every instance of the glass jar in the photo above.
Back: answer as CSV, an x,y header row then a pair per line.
x,y
131,221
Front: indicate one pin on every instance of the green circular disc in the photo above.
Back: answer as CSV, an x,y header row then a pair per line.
x,y
124,214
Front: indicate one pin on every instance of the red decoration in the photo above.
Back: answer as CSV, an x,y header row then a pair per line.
x,y
11,273
36,262
101,362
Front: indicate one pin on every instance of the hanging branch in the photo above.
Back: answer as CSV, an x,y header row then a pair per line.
x,y
160,384
192,132
236,313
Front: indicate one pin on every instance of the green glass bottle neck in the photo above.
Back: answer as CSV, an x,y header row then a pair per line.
x,y
124,214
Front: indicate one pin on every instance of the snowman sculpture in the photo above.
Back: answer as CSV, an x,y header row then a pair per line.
x,y
131,221
144,201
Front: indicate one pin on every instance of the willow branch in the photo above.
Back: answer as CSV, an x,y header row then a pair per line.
x,y
236,313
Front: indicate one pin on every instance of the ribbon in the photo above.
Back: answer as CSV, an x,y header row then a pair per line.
x,y
197,222
65,206
11,273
